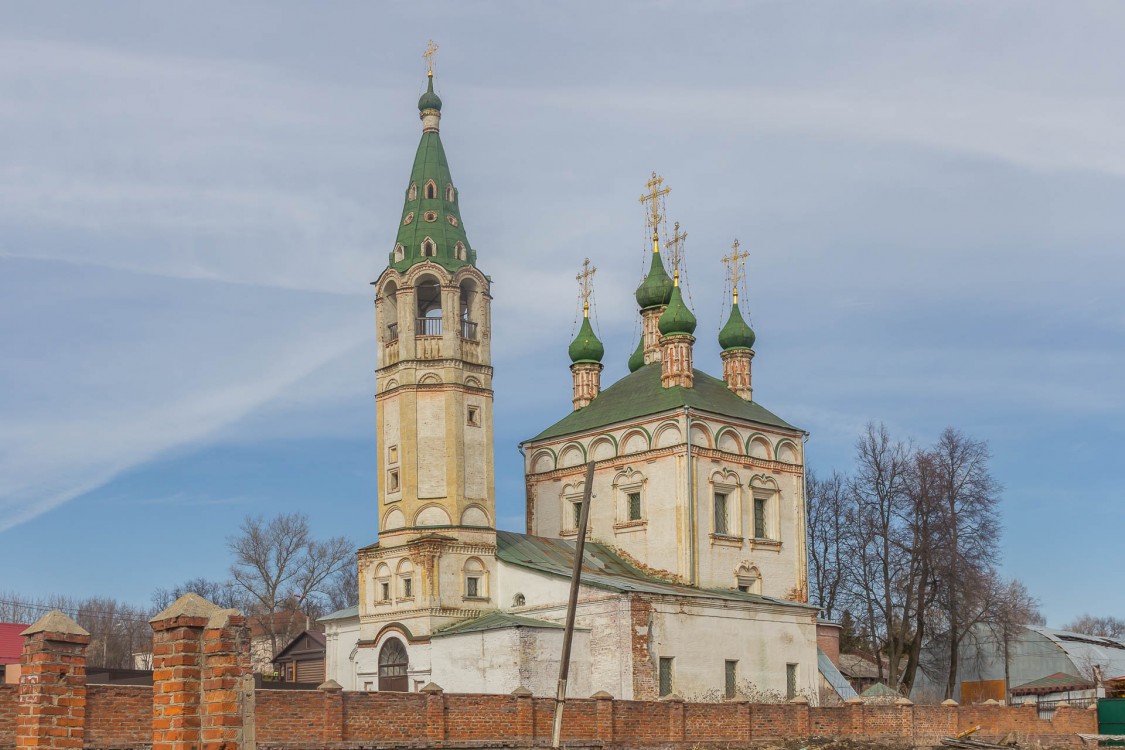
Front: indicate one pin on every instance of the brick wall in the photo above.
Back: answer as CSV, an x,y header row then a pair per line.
x,y
8,703
118,716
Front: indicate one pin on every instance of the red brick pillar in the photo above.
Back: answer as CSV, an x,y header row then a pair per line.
x,y
52,692
853,726
675,717
177,673
798,728
603,716
435,713
226,658
525,715
333,710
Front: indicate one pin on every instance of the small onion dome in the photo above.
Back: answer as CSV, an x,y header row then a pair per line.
x,y
429,100
736,334
637,358
656,289
586,347
677,318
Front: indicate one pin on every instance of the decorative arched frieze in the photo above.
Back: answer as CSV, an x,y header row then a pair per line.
x,y
572,455
701,435
430,378
475,515
543,461
667,435
603,448
432,515
393,520
787,452
636,440
729,441
758,446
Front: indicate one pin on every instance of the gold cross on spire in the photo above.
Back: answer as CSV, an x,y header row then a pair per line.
x,y
586,285
675,247
431,50
652,197
736,267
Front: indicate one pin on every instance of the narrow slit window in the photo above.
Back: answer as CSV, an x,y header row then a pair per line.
x,y
790,680
474,416
634,506
392,480
407,588
665,676
730,678
721,525
576,514
385,591
760,530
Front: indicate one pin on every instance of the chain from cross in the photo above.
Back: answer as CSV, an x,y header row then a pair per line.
x,y
586,284
652,197
431,50
675,246
736,269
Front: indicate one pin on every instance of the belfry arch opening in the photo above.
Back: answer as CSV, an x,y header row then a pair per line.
x,y
428,294
393,663
390,312
470,295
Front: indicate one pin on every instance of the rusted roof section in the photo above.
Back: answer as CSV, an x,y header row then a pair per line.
x,y
1059,682
604,569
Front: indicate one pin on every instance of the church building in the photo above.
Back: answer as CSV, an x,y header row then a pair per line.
x,y
694,576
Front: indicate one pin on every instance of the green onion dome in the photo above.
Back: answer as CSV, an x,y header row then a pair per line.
x,y
736,334
586,347
656,289
637,358
429,100
677,318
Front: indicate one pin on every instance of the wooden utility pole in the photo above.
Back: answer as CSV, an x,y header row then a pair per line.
x,y
572,605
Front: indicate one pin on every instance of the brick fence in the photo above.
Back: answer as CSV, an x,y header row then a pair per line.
x,y
200,700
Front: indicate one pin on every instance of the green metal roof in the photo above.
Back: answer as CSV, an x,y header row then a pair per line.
x,y
637,358
656,289
879,690
341,614
677,317
736,334
430,164
604,569
495,621
586,347
640,394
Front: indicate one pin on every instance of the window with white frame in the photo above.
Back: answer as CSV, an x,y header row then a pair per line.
x,y
383,583
721,512
405,580
476,579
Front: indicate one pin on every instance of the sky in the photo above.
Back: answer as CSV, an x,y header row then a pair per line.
x,y
195,196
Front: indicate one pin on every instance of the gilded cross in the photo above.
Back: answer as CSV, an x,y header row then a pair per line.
x,y
652,197
586,285
675,246
431,50
736,267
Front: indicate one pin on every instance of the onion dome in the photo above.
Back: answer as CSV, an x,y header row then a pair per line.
x,y
656,289
637,358
736,334
677,318
586,347
429,100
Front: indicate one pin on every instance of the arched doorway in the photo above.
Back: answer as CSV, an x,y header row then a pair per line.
x,y
392,667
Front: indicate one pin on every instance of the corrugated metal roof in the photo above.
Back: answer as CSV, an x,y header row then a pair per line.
x,y
342,614
1087,650
496,621
11,642
1055,683
830,673
854,665
603,568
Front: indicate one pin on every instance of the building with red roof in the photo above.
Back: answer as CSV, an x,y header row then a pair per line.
x,y
11,646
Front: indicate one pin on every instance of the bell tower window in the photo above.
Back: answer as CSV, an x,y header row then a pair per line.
x,y
428,294
450,195
412,193
429,249
431,189
390,308
469,298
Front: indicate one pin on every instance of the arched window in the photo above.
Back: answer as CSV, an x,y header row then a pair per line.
x,y
519,600
429,249
393,663
431,189
405,580
412,193
459,250
469,298
449,194
476,579
408,218
428,293
382,584
400,252
390,307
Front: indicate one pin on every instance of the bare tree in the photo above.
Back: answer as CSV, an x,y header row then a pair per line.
x,y
117,630
342,590
282,569
828,508
1013,608
1105,627
968,535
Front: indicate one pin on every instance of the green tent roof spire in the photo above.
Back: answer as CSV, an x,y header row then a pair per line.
x,y
586,347
677,318
736,334
430,228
